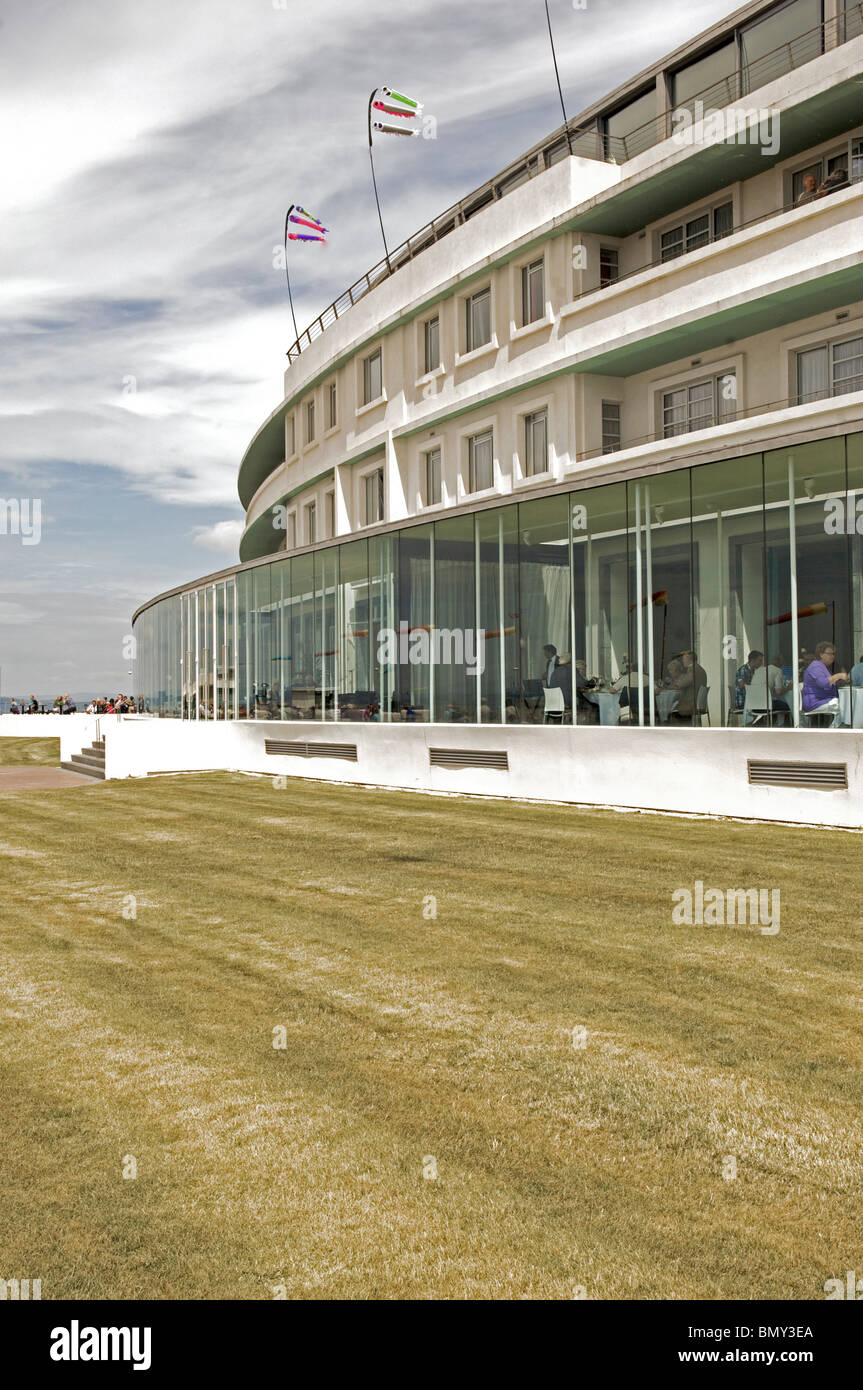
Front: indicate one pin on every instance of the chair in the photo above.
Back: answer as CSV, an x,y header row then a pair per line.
x,y
735,713
554,705
758,706
701,705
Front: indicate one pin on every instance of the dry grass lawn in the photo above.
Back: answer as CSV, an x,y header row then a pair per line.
x,y
416,1044
23,752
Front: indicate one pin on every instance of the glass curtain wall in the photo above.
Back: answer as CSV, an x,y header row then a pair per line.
x,y
694,597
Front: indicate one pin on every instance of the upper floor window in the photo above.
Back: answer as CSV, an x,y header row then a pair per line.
x,y
829,173
853,26
609,266
532,292
536,443
373,382
632,128
332,406
697,231
431,344
432,479
780,40
374,496
290,437
700,405
610,426
480,458
292,531
713,78
831,370
310,421
311,524
478,320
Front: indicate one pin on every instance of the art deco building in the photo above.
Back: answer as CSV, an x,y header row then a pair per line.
x,y
610,404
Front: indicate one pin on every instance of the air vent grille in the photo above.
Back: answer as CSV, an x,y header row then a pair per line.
x,y
818,776
318,749
469,757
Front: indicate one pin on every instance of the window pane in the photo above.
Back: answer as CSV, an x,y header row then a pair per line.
x,y
481,469
432,344
536,443
609,265
812,383
433,478
532,292
456,691
726,396
478,320
636,121
701,405
786,30
713,78
610,426
671,243
848,366
698,231
545,605
674,415
723,221
413,679
373,385
853,19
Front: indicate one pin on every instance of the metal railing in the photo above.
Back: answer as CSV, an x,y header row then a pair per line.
x,y
854,383
589,143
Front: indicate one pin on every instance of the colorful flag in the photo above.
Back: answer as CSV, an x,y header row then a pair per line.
x,y
315,230
390,103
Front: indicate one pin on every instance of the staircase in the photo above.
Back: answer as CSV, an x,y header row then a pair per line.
x,y
90,762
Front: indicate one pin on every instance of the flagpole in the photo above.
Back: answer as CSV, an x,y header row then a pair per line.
x,y
374,180
288,274
557,75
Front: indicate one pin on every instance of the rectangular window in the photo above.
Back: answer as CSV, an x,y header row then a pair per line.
x,y
697,231
609,266
332,406
373,387
480,454
290,437
478,320
431,344
713,78
785,37
532,292
432,488
803,190
374,496
699,406
610,426
310,421
311,524
536,443
331,514
832,370
633,127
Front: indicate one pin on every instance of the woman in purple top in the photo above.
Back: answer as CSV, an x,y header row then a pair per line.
x,y
819,683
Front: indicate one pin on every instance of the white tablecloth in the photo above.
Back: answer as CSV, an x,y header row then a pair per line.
x,y
851,699
609,705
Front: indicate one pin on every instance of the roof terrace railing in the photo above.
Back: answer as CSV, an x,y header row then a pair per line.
x,y
591,142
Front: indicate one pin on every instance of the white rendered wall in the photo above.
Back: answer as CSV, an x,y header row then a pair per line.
x,y
75,731
701,771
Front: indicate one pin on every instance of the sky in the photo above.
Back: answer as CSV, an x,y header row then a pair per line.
x,y
149,155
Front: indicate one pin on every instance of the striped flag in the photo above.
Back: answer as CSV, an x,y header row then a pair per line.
x,y
387,102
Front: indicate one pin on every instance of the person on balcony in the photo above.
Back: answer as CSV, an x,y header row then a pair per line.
x,y
834,181
810,190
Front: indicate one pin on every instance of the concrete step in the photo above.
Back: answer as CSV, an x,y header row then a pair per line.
x,y
88,755
85,769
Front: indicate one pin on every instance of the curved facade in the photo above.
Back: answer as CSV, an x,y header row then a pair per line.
x,y
609,405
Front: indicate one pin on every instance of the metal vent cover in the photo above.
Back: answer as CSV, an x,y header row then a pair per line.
x,y
817,776
317,749
469,757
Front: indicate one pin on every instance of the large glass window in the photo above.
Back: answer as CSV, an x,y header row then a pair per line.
x,y
356,682
633,127
545,607
480,461
332,406
786,37
478,320
712,78
415,676
456,696
497,649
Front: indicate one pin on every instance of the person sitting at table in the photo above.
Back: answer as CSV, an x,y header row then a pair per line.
x,y
834,181
551,661
856,673
819,683
743,678
631,685
561,679
764,690
692,679
673,672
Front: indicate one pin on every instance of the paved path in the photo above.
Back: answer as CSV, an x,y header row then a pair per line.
x,y
30,779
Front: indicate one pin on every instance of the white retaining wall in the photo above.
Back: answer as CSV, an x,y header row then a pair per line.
x,y
75,731
684,770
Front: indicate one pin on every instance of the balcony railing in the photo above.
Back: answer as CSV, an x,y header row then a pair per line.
x,y
590,143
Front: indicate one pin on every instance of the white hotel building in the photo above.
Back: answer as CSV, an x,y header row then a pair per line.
x,y
611,404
